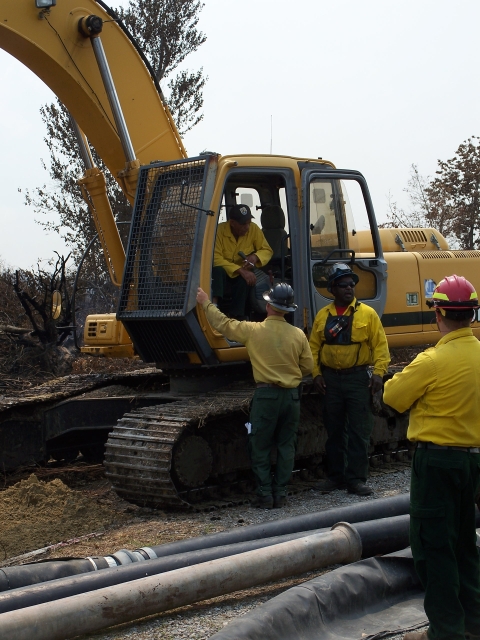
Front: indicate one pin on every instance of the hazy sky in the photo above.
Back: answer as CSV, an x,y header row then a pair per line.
x,y
374,86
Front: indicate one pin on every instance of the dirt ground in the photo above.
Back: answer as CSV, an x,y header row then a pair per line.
x,y
56,504
63,504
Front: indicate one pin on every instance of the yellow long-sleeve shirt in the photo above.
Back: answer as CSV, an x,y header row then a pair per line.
x,y
369,343
441,389
279,352
227,248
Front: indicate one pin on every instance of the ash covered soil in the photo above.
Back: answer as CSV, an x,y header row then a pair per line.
x,y
60,505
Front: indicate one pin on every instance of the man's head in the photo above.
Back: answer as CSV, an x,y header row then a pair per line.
x,y
341,282
280,298
454,300
239,217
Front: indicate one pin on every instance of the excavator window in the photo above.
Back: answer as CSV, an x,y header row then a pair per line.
x,y
339,226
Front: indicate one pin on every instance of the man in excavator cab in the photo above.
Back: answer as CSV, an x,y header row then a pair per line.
x,y
240,246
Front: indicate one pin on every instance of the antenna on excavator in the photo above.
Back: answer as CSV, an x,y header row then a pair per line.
x,y
271,134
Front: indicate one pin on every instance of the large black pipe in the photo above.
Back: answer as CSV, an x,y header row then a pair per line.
x,y
26,574
36,573
359,512
378,537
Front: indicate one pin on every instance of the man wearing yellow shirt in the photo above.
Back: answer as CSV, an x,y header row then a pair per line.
x,y
441,387
347,337
280,357
230,270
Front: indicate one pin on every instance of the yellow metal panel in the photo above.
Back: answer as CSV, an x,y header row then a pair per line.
x,y
402,285
105,329
232,354
120,351
437,265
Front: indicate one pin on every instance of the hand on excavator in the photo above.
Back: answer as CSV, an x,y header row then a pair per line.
x,y
248,276
201,296
319,384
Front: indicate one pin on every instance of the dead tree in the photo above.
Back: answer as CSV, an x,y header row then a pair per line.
x,y
35,291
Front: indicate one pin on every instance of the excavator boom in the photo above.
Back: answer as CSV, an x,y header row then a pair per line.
x,y
50,44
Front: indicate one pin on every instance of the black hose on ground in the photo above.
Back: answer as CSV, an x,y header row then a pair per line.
x,y
359,512
15,577
36,573
378,537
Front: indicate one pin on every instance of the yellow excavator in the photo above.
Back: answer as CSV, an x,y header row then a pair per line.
x,y
190,445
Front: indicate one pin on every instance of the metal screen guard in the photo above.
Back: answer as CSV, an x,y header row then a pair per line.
x,y
162,268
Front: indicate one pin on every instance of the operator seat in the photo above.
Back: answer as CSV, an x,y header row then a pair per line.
x,y
273,227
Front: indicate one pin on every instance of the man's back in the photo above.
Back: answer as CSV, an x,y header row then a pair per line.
x,y
442,388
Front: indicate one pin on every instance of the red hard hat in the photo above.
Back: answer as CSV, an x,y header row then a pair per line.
x,y
455,292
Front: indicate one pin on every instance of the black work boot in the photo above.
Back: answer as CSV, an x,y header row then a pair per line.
x,y
359,488
327,485
262,502
279,502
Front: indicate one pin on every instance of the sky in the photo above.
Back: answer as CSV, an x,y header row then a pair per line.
x,y
374,86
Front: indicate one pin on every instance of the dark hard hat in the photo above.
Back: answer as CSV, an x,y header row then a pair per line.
x,y
280,297
338,270
241,213
455,293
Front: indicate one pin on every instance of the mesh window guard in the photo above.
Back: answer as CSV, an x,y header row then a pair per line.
x,y
162,239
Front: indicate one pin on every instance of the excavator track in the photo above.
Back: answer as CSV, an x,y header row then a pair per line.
x,y
192,453
151,446
25,436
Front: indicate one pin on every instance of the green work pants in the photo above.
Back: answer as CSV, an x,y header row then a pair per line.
x,y
274,416
348,420
238,287
443,539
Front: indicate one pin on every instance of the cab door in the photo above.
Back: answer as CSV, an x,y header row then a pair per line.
x,y
341,227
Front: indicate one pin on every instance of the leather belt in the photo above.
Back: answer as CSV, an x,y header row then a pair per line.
x,y
261,385
342,372
432,445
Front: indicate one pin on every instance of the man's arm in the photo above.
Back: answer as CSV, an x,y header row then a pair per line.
x,y
306,359
378,345
406,387
316,346
263,252
316,349
231,329
377,341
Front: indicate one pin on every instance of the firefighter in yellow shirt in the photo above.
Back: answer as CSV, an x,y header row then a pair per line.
x,y
347,337
280,357
441,389
231,271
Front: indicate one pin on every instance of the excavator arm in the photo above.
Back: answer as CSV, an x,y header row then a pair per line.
x,y
51,45
92,65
